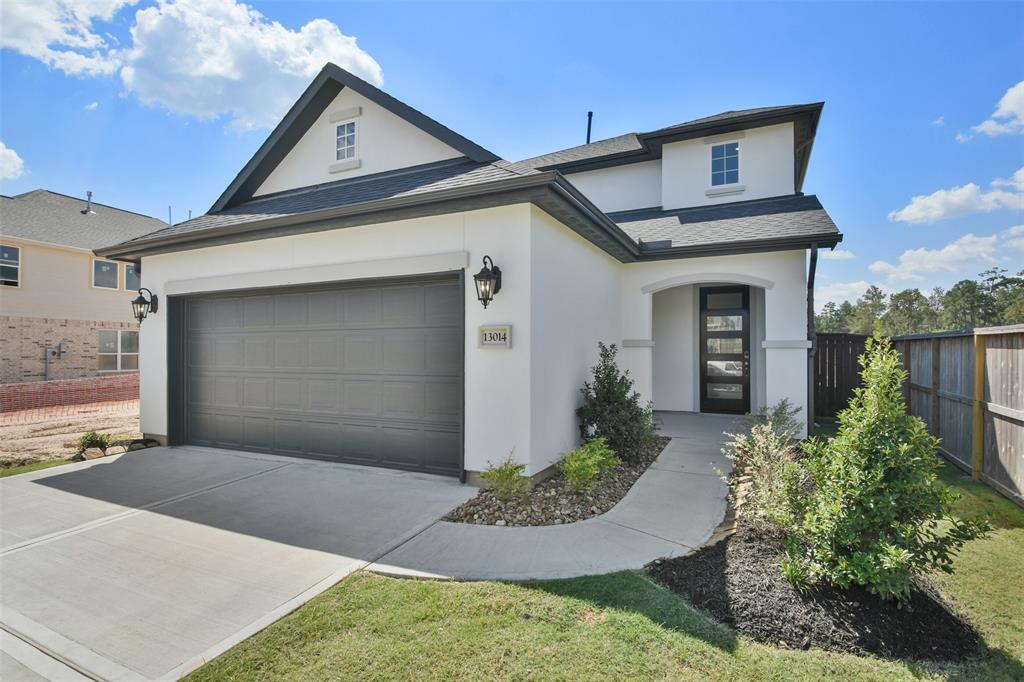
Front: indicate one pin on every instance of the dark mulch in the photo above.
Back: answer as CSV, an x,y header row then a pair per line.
x,y
739,581
551,502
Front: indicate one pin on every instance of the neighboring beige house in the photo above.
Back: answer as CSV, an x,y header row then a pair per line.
x,y
65,313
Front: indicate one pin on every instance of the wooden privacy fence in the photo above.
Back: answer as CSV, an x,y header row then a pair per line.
x,y
836,372
969,387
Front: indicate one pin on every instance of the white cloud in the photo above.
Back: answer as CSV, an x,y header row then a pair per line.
x,y
201,58
967,252
11,165
964,200
961,137
91,106
939,122
1014,237
838,254
837,292
1008,118
61,33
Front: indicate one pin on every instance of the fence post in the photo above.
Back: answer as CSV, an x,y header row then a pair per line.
x,y
910,378
978,427
936,378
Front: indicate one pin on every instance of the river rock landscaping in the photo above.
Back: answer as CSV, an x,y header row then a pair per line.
x,y
553,502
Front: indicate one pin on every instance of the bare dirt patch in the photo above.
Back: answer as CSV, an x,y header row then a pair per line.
x,y
25,439
552,502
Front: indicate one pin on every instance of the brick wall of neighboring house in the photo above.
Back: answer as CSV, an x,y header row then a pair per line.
x,y
24,341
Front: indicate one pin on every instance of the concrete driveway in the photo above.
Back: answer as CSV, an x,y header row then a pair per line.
x,y
147,564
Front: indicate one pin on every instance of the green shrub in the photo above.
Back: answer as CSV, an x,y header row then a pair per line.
x,y
781,417
611,409
506,480
582,466
869,511
767,458
95,440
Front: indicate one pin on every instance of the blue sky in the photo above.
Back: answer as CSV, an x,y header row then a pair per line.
x,y
134,101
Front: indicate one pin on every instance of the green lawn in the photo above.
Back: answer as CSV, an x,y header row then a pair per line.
x,y
614,627
34,466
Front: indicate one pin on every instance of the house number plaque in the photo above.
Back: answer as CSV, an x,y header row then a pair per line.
x,y
495,336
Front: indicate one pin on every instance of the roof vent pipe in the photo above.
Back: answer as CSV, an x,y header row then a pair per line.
x,y
88,204
590,119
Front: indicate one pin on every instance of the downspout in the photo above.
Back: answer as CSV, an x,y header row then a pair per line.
x,y
812,336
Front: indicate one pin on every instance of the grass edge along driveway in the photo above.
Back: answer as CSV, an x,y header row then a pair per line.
x,y
618,626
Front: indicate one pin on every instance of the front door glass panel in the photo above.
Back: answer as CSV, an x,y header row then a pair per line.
x,y
725,349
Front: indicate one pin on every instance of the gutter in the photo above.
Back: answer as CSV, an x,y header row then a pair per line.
x,y
812,336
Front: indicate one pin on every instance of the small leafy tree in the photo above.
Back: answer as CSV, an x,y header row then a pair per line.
x,y
868,512
583,465
611,408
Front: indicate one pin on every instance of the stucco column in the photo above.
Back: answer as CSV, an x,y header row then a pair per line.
x,y
637,345
785,348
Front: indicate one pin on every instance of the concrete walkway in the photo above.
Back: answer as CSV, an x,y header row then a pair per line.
x,y
673,508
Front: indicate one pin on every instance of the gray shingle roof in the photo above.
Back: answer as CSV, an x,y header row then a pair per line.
x,y
613,145
407,182
637,142
758,220
45,216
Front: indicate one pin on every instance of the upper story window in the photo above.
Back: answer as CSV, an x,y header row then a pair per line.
x,y
725,164
10,266
105,274
132,280
346,141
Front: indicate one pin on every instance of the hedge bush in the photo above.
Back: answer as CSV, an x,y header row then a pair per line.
x,y
866,505
585,464
612,410
506,480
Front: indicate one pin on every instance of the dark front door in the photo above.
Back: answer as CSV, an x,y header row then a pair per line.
x,y
725,349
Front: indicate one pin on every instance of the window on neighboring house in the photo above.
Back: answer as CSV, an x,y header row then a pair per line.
x,y
118,350
346,141
132,281
725,164
105,274
10,266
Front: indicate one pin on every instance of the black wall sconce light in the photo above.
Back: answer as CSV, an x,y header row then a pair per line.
x,y
142,306
488,281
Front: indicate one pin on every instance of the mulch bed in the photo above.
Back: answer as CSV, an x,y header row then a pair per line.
x,y
739,581
551,502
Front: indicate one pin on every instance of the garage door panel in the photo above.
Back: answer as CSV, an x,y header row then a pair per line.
x,y
324,352
403,352
360,352
290,310
258,312
361,307
360,397
365,374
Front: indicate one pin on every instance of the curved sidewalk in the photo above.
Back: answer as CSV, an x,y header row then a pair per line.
x,y
673,508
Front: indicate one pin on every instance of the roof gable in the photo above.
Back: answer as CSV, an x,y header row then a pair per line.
x,y
317,97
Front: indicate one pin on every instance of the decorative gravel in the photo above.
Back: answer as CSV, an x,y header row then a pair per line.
x,y
551,502
739,581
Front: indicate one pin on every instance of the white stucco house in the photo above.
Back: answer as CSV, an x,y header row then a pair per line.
x,y
325,306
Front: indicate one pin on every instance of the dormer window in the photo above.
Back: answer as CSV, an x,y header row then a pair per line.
x,y
725,164
346,141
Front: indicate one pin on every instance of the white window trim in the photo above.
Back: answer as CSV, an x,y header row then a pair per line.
x,y
21,257
355,147
733,188
117,354
92,274
124,277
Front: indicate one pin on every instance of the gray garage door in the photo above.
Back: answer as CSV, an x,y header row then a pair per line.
x,y
369,374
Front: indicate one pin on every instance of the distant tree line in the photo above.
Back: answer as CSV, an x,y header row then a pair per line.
x,y
993,299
